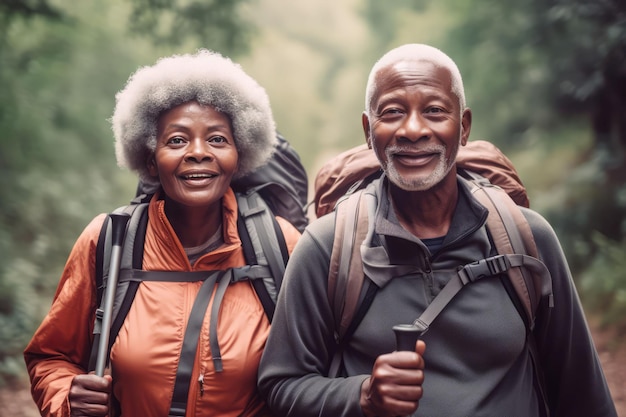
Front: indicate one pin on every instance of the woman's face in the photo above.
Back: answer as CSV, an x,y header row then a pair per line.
x,y
195,156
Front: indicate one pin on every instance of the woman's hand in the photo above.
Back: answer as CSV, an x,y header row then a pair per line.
x,y
395,386
89,395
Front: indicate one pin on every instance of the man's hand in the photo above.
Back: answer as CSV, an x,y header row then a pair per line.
x,y
395,387
89,395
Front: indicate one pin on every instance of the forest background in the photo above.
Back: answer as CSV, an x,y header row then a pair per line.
x,y
546,81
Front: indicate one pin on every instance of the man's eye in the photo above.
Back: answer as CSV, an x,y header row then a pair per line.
x,y
391,112
435,110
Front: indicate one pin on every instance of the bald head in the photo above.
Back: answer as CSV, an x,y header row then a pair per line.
x,y
414,52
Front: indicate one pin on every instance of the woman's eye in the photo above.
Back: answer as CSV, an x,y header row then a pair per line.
x,y
176,140
218,139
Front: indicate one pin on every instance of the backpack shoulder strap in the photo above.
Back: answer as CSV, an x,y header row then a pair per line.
x,y
263,244
513,237
346,279
345,274
132,257
517,256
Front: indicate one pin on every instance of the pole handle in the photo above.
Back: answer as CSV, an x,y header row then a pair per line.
x,y
407,336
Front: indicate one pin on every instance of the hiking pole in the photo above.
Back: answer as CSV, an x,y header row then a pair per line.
x,y
118,230
407,336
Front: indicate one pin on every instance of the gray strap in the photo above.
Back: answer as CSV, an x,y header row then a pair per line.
x,y
190,344
215,309
470,273
238,274
259,223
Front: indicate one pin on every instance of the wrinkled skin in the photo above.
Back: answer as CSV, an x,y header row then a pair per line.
x,y
395,386
89,395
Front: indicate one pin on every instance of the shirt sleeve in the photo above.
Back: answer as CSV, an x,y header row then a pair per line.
x,y
60,347
574,380
300,346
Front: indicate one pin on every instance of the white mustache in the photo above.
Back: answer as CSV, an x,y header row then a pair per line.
x,y
394,149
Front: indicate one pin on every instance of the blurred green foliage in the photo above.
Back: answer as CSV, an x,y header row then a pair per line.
x,y
546,81
604,281
56,149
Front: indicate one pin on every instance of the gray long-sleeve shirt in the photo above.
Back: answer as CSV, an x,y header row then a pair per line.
x,y
477,361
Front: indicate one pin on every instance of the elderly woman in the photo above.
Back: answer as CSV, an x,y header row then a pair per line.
x,y
188,126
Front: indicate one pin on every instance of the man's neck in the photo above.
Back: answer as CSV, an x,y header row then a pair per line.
x,y
426,214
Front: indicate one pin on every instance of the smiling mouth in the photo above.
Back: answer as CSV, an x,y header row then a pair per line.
x,y
198,176
414,159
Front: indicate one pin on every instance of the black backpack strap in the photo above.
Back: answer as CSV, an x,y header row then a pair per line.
x,y
190,341
263,244
132,257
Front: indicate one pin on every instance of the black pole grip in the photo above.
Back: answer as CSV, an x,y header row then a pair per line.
x,y
118,227
407,335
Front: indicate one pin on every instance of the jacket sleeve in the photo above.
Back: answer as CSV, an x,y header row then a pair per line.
x,y
60,348
301,342
290,233
574,380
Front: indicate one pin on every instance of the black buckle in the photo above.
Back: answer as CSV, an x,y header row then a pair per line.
x,y
484,268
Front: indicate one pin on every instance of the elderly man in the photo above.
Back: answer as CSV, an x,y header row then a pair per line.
x,y
478,361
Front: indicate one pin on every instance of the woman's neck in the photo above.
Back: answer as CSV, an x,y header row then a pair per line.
x,y
193,225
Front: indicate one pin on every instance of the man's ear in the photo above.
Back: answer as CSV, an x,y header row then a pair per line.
x,y
466,126
365,120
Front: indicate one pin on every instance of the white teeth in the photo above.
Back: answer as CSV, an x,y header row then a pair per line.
x,y
193,176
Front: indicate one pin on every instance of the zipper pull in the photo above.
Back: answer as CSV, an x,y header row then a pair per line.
x,y
201,383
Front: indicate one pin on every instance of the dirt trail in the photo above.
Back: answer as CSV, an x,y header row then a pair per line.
x,y
16,402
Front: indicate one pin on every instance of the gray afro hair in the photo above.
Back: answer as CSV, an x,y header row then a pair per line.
x,y
208,78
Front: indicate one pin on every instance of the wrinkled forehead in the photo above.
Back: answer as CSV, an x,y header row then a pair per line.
x,y
411,73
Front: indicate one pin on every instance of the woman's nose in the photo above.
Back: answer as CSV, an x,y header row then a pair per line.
x,y
199,150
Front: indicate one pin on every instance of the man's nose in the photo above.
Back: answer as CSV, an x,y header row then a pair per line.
x,y
414,127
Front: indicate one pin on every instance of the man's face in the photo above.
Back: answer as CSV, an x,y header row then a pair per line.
x,y
415,124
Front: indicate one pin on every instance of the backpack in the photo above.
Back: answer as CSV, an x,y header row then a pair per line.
x,y
278,188
358,166
350,293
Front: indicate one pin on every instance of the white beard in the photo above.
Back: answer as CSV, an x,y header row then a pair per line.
x,y
418,184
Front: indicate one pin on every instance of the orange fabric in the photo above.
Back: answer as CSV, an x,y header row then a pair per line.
x,y
145,354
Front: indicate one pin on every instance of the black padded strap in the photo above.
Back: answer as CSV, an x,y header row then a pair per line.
x,y
253,210
190,344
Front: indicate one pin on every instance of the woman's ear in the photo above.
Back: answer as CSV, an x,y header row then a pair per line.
x,y
152,166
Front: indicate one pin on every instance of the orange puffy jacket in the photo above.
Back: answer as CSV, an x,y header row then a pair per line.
x,y
145,354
